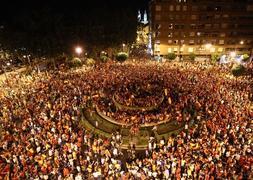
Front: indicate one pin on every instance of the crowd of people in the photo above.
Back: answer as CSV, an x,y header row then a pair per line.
x,y
184,91
139,94
41,137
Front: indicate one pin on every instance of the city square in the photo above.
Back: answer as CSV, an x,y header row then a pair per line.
x,y
159,106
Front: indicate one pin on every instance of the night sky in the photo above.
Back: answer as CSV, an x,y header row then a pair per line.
x,y
11,9
52,26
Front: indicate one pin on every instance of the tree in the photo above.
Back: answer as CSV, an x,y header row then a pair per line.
x,y
75,62
245,57
171,56
238,70
192,56
121,56
215,57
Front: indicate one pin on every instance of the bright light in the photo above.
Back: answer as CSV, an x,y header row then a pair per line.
x,y
190,49
212,50
123,45
208,46
241,42
79,50
233,54
220,49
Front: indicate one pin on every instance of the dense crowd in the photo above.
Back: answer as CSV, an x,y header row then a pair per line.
x,y
139,94
41,137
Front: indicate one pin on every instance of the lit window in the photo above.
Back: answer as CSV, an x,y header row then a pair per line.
x,y
212,50
169,50
191,41
221,41
178,8
175,49
190,49
157,48
171,8
157,41
220,49
158,8
170,41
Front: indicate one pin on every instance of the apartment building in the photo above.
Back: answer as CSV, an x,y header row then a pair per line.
x,y
201,27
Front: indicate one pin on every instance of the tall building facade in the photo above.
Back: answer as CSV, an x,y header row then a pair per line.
x,y
201,27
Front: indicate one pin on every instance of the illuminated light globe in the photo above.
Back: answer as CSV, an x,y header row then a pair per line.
x,y
78,50
232,54
208,46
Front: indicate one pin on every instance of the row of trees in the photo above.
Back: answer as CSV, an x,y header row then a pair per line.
x,y
215,57
172,56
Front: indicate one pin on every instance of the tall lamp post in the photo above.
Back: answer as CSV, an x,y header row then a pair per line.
x,y
5,71
123,47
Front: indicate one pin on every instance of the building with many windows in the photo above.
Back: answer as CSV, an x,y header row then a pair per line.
x,y
202,27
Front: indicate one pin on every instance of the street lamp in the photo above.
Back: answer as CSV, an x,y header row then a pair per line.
x,y
241,42
123,46
232,54
5,72
208,46
78,50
